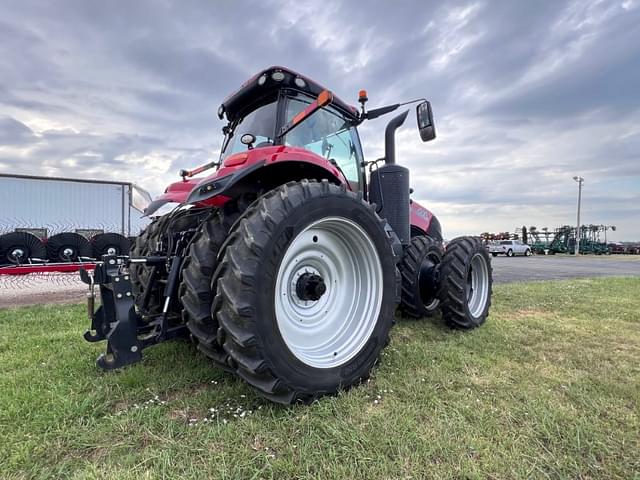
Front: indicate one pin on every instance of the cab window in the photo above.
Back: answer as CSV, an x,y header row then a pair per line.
x,y
261,123
328,134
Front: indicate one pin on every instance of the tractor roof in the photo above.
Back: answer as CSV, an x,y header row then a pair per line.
x,y
271,80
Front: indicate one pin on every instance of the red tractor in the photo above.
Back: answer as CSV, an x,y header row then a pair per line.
x,y
286,265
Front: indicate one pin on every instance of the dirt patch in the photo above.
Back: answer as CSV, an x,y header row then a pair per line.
x,y
528,313
39,289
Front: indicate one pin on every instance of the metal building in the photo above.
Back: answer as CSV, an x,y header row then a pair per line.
x,y
71,205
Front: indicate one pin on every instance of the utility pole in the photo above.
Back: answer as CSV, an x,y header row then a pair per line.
x,y
580,181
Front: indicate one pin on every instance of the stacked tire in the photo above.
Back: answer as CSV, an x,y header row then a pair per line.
x,y
296,291
457,281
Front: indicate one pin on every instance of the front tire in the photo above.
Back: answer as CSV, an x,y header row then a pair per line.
x,y
527,253
306,292
465,283
147,243
154,240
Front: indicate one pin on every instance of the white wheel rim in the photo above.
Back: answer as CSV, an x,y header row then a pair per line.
x,y
330,331
16,254
477,285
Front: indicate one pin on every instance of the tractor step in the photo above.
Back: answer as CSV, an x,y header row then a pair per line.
x,y
116,320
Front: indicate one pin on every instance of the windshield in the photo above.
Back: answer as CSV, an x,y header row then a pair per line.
x,y
329,135
261,123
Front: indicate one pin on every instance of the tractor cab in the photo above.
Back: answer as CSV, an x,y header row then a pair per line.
x,y
262,113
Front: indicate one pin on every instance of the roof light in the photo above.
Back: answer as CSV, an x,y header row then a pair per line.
x,y
362,96
300,82
262,79
220,111
277,76
325,98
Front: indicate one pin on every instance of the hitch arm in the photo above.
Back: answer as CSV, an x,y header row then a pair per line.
x,y
117,321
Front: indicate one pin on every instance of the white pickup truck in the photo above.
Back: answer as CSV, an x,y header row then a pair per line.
x,y
509,248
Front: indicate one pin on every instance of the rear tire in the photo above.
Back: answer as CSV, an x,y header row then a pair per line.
x,y
289,337
494,254
416,269
509,253
197,290
465,283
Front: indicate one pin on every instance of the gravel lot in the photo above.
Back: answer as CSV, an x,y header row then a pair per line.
x,y
67,288
35,289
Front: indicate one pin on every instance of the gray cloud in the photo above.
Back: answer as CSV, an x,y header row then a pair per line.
x,y
13,132
526,94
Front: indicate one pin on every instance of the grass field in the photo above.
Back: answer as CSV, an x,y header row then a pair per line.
x,y
548,388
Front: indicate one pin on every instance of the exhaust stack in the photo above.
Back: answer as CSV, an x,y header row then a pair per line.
x,y
390,137
389,186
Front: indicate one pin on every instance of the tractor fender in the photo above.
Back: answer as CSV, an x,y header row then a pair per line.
x,y
175,193
423,222
260,177
260,169
275,166
221,185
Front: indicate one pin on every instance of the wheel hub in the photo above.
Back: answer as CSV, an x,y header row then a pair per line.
x,y
111,251
16,253
310,287
67,252
429,280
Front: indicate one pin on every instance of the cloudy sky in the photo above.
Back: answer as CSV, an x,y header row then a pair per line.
x,y
526,94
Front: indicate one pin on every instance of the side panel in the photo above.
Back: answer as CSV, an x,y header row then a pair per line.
x,y
59,205
420,217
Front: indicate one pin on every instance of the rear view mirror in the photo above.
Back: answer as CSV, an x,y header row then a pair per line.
x,y
426,126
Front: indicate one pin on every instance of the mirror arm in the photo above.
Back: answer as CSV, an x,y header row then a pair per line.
x,y
378,112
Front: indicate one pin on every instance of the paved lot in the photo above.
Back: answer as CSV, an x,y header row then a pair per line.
x,y
556,267
67,288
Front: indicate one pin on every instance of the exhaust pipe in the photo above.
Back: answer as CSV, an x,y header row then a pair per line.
x,y
390,137
389,185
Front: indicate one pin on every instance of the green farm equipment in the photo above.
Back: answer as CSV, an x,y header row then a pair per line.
x,y
563,239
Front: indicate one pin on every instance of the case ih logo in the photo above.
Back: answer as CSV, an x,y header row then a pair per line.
x,y
421,212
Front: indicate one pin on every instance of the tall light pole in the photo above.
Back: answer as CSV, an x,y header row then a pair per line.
x,y
580,181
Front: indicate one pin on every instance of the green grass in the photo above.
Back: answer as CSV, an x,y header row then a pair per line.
x,y
548,388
